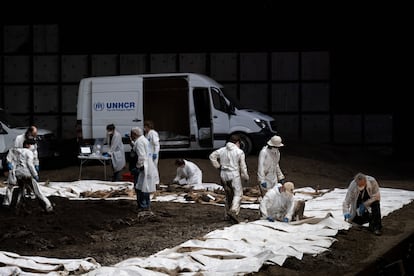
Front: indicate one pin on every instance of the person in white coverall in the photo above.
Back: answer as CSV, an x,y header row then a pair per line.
x,y
187,173
116,151
362,202
22,176
144,169
29,134
230,160
152,135
278,203
268,169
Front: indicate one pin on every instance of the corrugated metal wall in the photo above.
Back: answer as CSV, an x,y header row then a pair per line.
x,y
39,84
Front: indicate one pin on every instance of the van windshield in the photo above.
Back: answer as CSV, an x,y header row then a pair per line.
x,y
232,98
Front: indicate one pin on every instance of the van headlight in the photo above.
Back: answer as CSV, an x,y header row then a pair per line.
x,y
261,123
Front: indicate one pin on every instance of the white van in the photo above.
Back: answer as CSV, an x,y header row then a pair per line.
x,y
189,111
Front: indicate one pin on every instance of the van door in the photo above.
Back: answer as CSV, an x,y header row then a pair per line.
x,y
221,117
202,109
117,101
166,104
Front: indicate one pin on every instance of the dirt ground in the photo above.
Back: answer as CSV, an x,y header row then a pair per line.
x,y
109,231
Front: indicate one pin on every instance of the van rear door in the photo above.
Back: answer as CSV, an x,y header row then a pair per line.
x,y
117,101
166,104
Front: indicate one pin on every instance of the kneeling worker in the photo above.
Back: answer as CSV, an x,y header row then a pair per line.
x,y
278,204
187,173
362,202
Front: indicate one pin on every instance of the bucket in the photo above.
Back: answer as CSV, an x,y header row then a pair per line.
x,y
127,177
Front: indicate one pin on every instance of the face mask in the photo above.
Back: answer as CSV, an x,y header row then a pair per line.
x,y
31,147
110,132
273,149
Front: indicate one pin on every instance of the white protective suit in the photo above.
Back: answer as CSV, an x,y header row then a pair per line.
x,y
350,203
117,151
277,205
230,159
146,182
154,141
18,143
268,169
21,160
190,173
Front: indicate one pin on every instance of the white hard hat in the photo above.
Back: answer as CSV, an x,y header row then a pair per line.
x,y
275,141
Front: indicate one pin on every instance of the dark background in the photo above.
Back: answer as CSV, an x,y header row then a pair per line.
x,y
368,44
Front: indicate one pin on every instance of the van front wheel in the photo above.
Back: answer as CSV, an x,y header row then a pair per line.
x,y
245,143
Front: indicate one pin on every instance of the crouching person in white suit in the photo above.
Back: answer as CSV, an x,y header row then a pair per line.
x,y
22,176
187,173
278,204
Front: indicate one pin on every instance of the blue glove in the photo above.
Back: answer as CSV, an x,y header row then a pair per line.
x,y
285,220
270,219
9,166
37,168
347,216
361,209
36,178
154,156
264,184
105,154
282,181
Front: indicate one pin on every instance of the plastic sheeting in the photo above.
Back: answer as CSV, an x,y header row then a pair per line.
x,y
15,264
242,248
75,189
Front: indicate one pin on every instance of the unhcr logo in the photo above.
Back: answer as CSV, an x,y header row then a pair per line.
x,y
98,106
114,106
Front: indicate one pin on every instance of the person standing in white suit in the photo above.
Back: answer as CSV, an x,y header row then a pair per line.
x,y
144,169
116,151
152,135
269,173
30,134
231,162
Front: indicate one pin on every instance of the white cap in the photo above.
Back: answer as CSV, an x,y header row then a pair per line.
x,y
289,187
